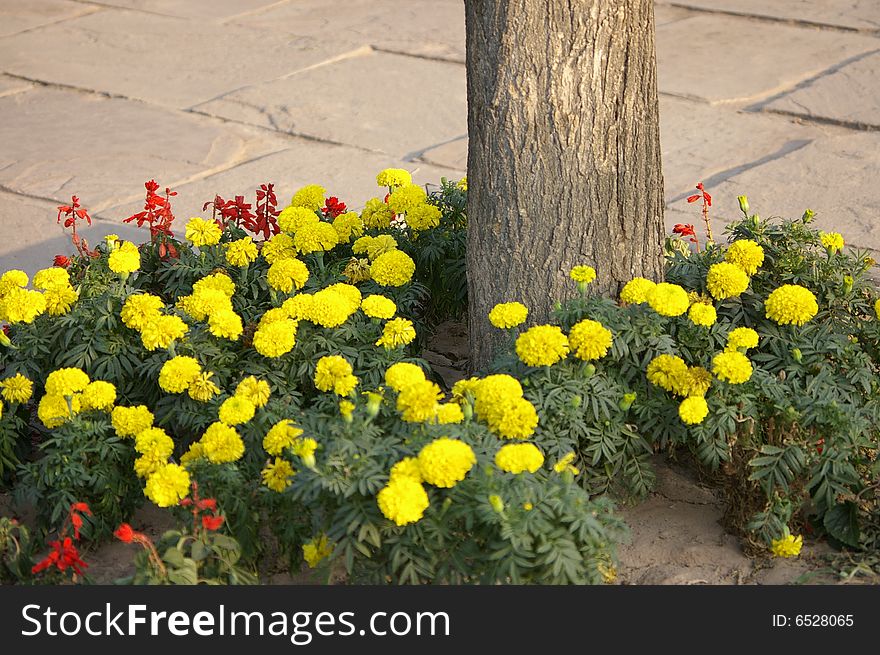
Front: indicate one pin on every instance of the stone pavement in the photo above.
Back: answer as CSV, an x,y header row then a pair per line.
x,y
776,99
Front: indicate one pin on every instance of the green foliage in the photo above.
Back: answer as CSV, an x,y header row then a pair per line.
x,y
16,552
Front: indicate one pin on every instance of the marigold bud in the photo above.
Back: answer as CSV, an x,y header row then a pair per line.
x,y
743,204
627,401
496,503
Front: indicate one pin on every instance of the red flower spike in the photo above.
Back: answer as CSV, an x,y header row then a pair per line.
x,y
124,533
332,207
207,503
61,261
63,555
212,522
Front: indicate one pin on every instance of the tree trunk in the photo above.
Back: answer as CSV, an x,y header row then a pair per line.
x,y
564,152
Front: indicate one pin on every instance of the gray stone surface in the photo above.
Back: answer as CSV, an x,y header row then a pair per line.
x,y
10,86
202,10
850,94
58,143
721,58
158,59
854,14
23,15
373,102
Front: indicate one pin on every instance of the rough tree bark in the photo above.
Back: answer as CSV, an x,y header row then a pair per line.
x,y
564,152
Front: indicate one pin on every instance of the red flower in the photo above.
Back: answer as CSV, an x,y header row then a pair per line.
x,y
820,446
76,519
707,199
685,230
333,207
124,533
212,522
207,503
63,555
73,212
61,261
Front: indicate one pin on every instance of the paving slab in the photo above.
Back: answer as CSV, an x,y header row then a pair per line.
x,y
852,14
22,15
158,59
10,86
424,28
664,14
720,58
849,95
204,10
452,154
383,102
832,175
57,143
347,173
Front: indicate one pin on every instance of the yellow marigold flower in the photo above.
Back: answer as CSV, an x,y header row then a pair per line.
x,y
528,507
408,467
636,291
305,448
831,241
202,388
280,436
204,303
402,500
508,315
98,395
693,410
877,307
449,413
201,232
316,550
278,247
315,237
393,177
292,218
161,331
236,410
330,308
392,269
275,339
379,245
542,345
518,457
423,217
732,366
417,402
670,373
346,409
257,391
349,292
566,464
397,332
131,421
493,393
589,340
334,373
241,252
463,183
53,409
377,306
401,375
745,254
59,299
277,475
17,389
445,462
348,225
140,309
742,338
155,442
48,278
376,214
273,316
310,196
357,270
222,444
788,546
125,259
725,280
66,381
286,274
178,373
583,274
22,305
146,465
702,314
791,304
668,299
407,197
195,453
11,280
168,485
218,281
699,381
516,419
225,324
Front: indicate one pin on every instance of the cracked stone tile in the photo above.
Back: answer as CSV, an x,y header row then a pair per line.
x,y
452,154
831,175
704,143
58,143
33,236
347,173
383,102
853,14
206,10
848,95
424,28
721,58
10,86
158,59
664,14
17,16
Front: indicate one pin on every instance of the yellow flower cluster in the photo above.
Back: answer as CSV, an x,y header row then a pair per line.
x,y
376,306
221,443
168,485
392,269
403,500
418,401
316,550
131,421
377,214
693,410
236,410
392,177
726,280
315,237
348,225
397,332
292,218
787,546
124,259
516,458
746,255
374,246
589,340
702,314
286,274
201,232
17,304
499,402
401,375
669,372
635,292
831,241
281,436
278,247
668,299
445,462
406,197
310,196
277,474
542,345
241,252
254,390
732,366
742,338
583,274
508,315
791,304
423,217
59,293
334,373
329,307
17,389
143,312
